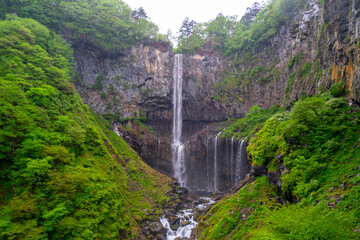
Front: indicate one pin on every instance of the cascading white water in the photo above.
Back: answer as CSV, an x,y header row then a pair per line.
x,y
232,162
184,231
208,163
116,128
215,164
177,146
240,158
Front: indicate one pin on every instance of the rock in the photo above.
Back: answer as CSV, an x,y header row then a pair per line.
x,y
184,223
156,227
174,227
337,200
160,237
274,178
257,171
344,185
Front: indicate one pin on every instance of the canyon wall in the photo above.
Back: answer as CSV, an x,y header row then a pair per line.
x,y
317,47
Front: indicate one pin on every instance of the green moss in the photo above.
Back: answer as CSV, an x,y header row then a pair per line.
x,y
295,60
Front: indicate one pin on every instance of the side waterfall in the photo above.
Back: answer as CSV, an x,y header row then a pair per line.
x,y
232,162
242,164
177,146
216,176
208,163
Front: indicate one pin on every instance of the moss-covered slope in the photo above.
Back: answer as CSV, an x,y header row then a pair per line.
x,y
314,152
63,173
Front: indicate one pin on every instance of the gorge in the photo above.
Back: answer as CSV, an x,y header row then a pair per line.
x,y
110,132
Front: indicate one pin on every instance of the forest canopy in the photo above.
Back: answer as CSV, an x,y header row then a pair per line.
x,y
109,25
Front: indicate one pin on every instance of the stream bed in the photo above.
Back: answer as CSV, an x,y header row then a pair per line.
x,y
180,225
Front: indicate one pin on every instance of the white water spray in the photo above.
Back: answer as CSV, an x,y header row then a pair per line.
x,y
215,164
177,146
240,159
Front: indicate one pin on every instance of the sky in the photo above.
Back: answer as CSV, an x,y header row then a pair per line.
x,y
169,14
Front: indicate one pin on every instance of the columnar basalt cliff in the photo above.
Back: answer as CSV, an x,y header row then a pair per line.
x,y
310,52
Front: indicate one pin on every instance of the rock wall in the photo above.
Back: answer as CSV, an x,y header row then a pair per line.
x,y
313,50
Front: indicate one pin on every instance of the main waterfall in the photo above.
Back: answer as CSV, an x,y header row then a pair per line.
x,y
178,159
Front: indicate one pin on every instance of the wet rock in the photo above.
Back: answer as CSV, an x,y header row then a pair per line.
x,y
160,237
156,227
184,223
174,227
274,178
257,171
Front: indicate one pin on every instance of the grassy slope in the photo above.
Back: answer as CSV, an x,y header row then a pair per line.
x,y
318,142
64,174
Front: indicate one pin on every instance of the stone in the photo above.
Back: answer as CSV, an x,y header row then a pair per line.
x,y
258,171
160,237
174,227
184,223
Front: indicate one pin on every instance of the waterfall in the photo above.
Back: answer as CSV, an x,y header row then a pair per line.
x,y
177,146
215,164
242,164
208,163
232,180
116,128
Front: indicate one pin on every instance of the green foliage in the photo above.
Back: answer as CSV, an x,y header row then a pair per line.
x,y
226,220
338,89
105,24
98,82
314,222
63,172
289,84
250,33
295,60
254,120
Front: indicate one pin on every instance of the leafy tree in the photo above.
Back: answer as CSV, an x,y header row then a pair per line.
x,y
139,13
108,25
187,27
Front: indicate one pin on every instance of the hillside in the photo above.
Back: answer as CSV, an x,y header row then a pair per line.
x,y
64,174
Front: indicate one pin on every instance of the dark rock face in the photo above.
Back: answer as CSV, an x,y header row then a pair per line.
x,y
152,149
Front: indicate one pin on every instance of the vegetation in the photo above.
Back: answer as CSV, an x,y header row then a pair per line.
x,y
63,174
109,25
317,142
251,33
253,122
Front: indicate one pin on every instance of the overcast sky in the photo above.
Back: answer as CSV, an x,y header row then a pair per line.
x,y
169,14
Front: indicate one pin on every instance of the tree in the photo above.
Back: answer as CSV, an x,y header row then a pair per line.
x,y
139,13
187,27
251,13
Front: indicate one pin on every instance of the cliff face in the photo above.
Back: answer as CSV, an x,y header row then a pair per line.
x,y
134,82
313,50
